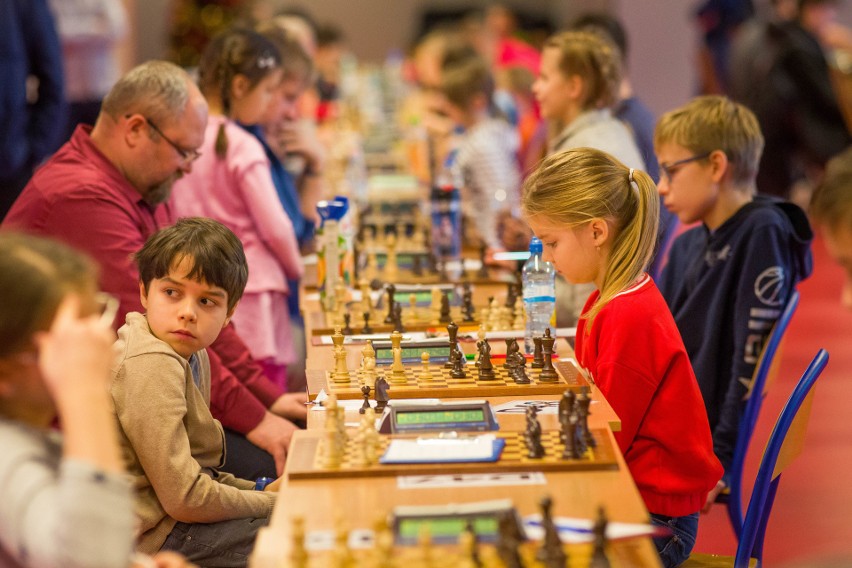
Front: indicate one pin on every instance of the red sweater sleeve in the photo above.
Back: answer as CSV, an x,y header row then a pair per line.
x,y
235,355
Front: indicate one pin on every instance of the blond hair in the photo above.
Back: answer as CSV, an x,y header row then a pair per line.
x,y
158,90
831,205
595,60
711,123
574,187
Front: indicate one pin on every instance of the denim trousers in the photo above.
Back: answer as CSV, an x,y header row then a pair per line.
x,y
675,548
226,544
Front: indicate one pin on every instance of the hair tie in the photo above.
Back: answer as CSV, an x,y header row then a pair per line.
x,y
630,176
265,61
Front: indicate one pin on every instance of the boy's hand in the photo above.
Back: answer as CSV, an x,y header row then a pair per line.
x,y
711,497
273,434
274,485
291,406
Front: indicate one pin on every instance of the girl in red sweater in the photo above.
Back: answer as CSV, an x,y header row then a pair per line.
x,y
598,219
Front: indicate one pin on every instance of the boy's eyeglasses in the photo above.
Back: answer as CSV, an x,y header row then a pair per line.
x,y
188,156
669,170
106,306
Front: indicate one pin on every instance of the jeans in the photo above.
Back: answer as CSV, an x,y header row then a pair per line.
x,y
226,544
674,549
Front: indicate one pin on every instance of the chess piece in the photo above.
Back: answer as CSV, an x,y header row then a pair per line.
x,y
512,347
551,553
340,374
397,318
480,339
391,268
371,271
538,355
347,318
368,365
298,552
511,294
508,542
425,370
371,436
483,265
391,291
397,369
366,330
548,371
583,403
381,393
566,407
532,434
366,304
571,451
457,371
467,302
342,555
366,391
599,558
453,332
519,371
435,306
445,306
486,367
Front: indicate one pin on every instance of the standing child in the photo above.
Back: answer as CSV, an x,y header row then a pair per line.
x,y
192,276
727,281
487,152
231,182
598,221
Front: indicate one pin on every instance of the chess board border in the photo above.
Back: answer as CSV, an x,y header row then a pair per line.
x,y
302,454
570,379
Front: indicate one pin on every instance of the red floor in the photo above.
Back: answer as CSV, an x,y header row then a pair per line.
x,y
810,523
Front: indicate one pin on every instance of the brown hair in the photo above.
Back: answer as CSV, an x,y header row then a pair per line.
x,y
714,122
463,80
295,61
831,205
35,275
573,187
595,60
216,252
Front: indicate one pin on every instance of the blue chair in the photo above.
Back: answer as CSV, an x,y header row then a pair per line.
x,y
784,445
764,374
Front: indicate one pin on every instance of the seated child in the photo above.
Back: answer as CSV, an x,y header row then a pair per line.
x,y
192,275
831,210
728,279
598,221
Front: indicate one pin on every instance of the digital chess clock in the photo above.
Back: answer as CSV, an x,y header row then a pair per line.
x,y
447,522
466,416
438,350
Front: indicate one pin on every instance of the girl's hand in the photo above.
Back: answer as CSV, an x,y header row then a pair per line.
x,y
300,137
75,354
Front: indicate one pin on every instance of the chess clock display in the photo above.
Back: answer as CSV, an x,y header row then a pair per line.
x,y
412,351
447,522
468,416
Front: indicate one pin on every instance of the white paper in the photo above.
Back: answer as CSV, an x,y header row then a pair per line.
x,y
470,480
575,530
437,449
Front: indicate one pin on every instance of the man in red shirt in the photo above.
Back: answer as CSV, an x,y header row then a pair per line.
x,y
106,191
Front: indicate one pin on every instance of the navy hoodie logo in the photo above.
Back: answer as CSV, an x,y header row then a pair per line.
x,y
769,286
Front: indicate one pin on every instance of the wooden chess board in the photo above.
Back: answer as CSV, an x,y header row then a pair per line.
x,y
302,462
439,383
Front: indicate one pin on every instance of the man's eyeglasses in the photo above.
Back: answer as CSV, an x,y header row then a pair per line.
x,y
106,306
669,170
188,156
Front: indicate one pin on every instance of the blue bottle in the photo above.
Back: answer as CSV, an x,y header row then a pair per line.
x,y
539,289
445,201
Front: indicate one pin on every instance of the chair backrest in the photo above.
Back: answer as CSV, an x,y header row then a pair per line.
x,y
764,373
784,445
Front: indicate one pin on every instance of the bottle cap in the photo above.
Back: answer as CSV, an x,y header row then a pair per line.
x,y
536,246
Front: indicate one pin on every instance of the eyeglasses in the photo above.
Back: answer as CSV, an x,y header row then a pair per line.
x,y
188,156
106,305
669,170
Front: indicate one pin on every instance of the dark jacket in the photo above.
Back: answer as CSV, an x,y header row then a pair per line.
x,y
726,289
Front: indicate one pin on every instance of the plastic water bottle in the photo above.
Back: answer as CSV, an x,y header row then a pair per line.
x,y
539,287
445,201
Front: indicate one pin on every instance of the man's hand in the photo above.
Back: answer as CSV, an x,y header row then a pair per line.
x,y
273,434
711,497
291,406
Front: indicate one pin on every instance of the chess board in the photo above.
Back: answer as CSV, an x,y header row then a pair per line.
x,y
302,462
323,323
439,384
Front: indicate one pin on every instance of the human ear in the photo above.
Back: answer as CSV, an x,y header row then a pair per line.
x,y
230,314
143,295
720,164
240,86
135,128
599,229
576,86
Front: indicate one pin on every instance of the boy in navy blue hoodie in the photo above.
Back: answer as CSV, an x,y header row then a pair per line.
x,y
728,279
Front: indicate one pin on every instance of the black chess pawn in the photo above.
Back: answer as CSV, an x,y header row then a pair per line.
x,y
397,318
548,371
538,354
366,329
532,434
486,367
599,558
467,302
391,290
366,392
583,402
551,553
453,332
457,371
347,319
381,394
445,306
